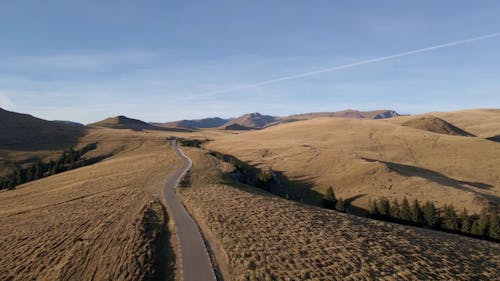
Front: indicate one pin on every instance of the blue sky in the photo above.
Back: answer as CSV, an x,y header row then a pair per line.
x,y
157,60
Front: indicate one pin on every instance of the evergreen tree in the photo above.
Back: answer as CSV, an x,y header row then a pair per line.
x,y
416,213
450,219
480,225
395,209
11,185
465,222
372,208
494,226
38,171
384,207
430,214
405,213
340,205
19,177
475,228
329,200
30,173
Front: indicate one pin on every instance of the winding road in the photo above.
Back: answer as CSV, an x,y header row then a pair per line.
x,y
195,264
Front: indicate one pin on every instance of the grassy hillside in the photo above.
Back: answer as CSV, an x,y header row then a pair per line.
x,y
22,131
123,122
198,123
435,125
480,122
97,222
257,236
25,139
365,159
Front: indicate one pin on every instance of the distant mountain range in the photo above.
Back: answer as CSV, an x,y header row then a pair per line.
x,y
197,123
258,121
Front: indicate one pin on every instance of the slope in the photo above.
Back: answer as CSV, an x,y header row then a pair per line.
x,y
198,123
123,122
97,222
365,159
436,125
480,122
257,236
20,131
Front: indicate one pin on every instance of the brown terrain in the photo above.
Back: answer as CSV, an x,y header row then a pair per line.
x,y
258,121
365,159
24,139
123,122
105,221
100,222
257,236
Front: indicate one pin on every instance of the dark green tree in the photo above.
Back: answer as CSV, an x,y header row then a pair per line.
x,y
430,214
372,208
450,219
30,173
19,177
340,205
416,213
465,222
405,213
480,225
38,173
494,226
395,209
384,207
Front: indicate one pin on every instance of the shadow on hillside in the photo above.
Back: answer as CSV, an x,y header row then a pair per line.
x,y
300,190
47,137
141,128
413,171
165,129
353,209
494,138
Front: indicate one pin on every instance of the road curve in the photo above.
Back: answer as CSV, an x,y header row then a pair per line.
x,y
195,264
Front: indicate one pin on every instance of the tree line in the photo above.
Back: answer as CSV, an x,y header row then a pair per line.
x,y
70,159
486,225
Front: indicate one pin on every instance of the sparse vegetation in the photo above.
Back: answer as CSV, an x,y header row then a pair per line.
x,y
99,222
70,159
264,237
485,226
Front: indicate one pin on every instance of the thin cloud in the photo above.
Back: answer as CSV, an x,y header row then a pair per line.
x,y
345,66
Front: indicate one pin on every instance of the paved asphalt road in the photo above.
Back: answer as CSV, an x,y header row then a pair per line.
x,y
194,259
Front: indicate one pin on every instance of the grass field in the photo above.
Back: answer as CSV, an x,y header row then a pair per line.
x,y
365,159
100,222
257,236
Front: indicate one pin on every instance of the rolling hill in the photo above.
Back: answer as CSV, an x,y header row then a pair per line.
x,y
101,222
253,120
259,121
123,122
258,236
365,159
22,131
198,123
436,125
375,114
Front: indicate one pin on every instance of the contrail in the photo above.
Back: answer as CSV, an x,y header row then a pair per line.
x,y
350,65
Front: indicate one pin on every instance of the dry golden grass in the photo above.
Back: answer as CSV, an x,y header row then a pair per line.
x,y
100,222
480,122
373,158
257,236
